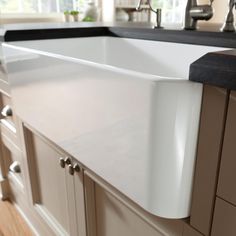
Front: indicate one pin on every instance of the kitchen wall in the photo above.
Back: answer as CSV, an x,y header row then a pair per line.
x,y
107,6
220,7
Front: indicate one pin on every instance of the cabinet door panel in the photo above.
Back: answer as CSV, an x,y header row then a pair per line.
x,y
48,183
226,186
224,221
189,231
214,107
114,218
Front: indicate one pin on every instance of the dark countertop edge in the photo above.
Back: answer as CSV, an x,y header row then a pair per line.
x,y
198,37
217,39
39,34
216,69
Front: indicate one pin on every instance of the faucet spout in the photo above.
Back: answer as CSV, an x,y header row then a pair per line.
x,y
195,12
229,20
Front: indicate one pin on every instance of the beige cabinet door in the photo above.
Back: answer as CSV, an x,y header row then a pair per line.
x,y
113,218
52,186
116,216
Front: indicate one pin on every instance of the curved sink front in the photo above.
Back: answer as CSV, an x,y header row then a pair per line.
x,y
123,107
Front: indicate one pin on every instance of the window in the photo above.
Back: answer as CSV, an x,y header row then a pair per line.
x,y
39,6
172,10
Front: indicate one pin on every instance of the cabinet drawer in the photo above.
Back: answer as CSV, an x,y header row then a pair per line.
x,y
6,109
13,162
10,132
224,222
226,185
3,73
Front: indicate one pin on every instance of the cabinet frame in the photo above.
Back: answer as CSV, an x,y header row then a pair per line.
x,y
73,186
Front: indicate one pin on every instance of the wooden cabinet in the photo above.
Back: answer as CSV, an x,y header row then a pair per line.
x,y
14,169
57,187
11,160
227,177
112,214
224,221
189,231
213,115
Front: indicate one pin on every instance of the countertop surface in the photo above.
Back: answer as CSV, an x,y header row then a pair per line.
x,y
209,35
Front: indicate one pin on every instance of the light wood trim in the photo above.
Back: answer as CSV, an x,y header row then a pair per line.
x,y
70,189
89,188
4,185
33,179
80,202
212,125
11,223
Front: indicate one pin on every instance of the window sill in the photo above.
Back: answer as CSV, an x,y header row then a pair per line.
x,y
9,18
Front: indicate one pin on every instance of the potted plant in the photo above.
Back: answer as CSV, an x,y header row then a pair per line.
x,y
88,19
75,15
67,16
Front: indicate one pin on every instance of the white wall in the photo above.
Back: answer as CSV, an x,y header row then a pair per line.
x,y
108,10
220,7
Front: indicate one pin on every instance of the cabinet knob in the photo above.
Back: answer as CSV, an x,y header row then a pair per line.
x,y
64,161
6,111
15,167
71,169
74,168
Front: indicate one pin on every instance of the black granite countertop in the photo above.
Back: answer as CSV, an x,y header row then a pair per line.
x,y
209,35
214,68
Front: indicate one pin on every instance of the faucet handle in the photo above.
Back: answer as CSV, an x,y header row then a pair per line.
x,y
229,26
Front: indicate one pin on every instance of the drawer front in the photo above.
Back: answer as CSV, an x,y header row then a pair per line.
x,y
6,109
224,222
226,185
3,73
10,132
13,161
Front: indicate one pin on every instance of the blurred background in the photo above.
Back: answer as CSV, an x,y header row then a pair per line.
x,y
17,11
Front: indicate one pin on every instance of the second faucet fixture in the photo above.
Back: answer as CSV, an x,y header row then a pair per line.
x,y
157,11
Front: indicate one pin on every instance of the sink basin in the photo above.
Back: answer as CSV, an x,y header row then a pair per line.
x,y
123,107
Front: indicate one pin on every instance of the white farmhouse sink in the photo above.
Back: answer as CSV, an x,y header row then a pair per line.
x,y
122,107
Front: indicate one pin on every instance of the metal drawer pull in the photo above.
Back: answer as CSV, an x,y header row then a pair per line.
x,y
64,161
15,167
74,168
6,111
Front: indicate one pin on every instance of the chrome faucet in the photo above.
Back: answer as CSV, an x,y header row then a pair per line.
x,y
195,12
157,11
229,21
